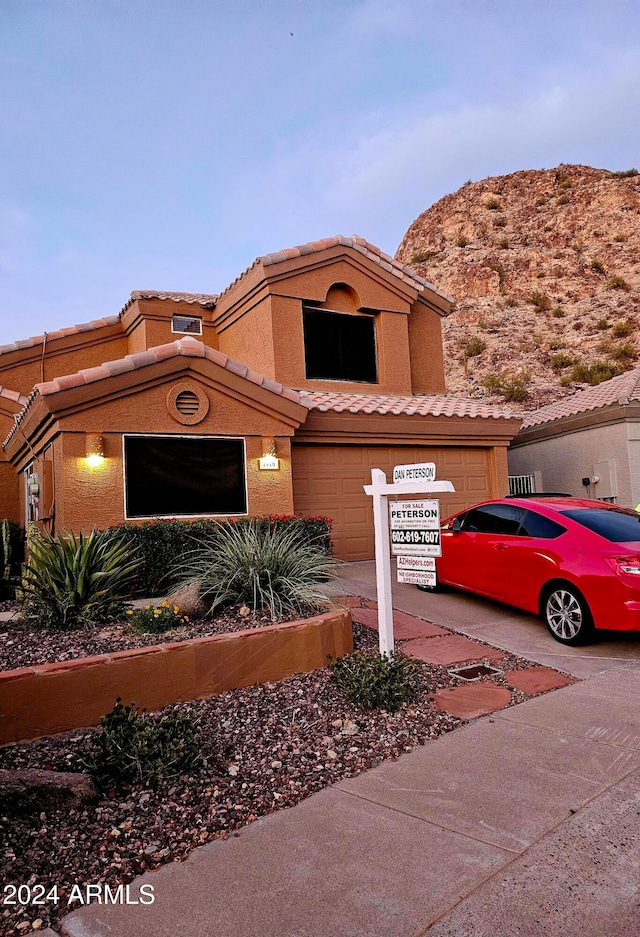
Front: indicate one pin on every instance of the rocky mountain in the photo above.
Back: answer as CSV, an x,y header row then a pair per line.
x,y
544,266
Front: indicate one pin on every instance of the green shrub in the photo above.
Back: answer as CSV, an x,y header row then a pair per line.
x,y
625,173
597,266
512,388
500,222
493,204
558,313
156,620
602,324
624,352
160,544
136,748
264,568
622,329
563,200
376,681
618,283
620,238
510,302
474,347
594,373
420,257
542,200
71,582
540,301
561,360
462,240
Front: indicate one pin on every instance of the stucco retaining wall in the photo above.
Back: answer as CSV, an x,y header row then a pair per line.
x,y
43,700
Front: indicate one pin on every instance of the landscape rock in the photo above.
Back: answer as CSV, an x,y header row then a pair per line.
x,y
30,789
189,602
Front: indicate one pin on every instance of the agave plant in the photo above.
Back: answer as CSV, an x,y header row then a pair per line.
x,y
70,581
274,569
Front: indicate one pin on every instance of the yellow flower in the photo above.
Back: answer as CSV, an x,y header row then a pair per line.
x,y
176,609
185,618
147,607
157,612
165,604
129,611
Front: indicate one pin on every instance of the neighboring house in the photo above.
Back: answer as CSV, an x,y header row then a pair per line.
x,y
587,444
278,395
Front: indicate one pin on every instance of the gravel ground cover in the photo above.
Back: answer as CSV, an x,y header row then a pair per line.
x,y
22,646
270,747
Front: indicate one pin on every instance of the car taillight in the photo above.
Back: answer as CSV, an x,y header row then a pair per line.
x,y
625,565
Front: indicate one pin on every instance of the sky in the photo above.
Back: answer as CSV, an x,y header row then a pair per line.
x,y
164,144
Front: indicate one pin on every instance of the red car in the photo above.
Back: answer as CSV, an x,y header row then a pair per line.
x,y
573,561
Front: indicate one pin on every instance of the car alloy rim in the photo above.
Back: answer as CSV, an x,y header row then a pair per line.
x,y
564,614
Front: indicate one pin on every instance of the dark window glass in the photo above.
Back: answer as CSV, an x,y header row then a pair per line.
x,y
502,519
535,525
339,347
171,475
614,524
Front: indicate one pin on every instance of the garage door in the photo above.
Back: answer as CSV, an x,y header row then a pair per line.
x,y
329,480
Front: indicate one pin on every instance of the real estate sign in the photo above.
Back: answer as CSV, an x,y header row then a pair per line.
x,y
420,472
419,570
415,528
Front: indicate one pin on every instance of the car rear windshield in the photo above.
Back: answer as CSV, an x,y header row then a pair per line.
x,y
618,526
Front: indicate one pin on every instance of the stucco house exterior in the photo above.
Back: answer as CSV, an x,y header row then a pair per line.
x,y
587,444
277,395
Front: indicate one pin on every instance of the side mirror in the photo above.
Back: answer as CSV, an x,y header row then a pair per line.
x,y
455,526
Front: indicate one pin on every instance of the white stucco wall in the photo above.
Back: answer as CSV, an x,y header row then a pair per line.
x,y
564,461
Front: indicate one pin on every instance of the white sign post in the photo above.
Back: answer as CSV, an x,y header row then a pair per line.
x,y
380,490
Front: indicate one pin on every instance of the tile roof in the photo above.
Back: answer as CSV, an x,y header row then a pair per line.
x,y
60,333
206,300
617,390
422,405
402,271
187,346
13,395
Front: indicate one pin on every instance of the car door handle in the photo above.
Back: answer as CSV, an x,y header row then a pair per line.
x,y
501,546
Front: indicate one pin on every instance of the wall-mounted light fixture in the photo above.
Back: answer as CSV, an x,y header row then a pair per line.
x,y
269,460
94,449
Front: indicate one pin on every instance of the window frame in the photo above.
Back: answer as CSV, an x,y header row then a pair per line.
x,y
371,317
151,517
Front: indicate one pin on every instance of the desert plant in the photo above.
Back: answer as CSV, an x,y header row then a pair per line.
x,y
597,266
274,569
156,619
593,373
542,200
462,240
624,352
561,360
136,748
376,681
419,257
618,283
540,301
622,329
620,238
510,302
503,244
474,347
493,204
558,313
70,582
563,200
602,324
512,387
625,173
500,222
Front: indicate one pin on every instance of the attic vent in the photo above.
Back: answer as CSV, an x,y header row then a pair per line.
x,y
187,403
188,325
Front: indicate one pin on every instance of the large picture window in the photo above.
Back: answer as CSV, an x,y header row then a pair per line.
x,y
339,347
174,476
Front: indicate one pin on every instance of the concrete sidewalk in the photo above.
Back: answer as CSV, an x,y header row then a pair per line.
x,y
522,823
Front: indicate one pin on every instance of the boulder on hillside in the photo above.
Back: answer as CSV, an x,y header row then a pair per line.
x,y
189,601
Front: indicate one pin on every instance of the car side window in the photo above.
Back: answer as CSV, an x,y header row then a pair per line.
x,y
535,525
501,519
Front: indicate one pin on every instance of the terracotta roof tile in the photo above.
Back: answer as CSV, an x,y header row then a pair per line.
x,y
402,271
60,333
188,346
423,405
206,300
14,395
617,390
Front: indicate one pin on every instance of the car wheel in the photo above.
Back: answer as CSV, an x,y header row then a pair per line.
x,y
566,614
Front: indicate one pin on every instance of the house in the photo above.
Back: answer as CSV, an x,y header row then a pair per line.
x,y
276,396
587,444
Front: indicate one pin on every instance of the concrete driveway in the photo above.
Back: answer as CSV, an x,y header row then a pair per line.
x,y
497,624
